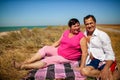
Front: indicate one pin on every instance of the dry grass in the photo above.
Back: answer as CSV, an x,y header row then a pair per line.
x,y
116,27
21,45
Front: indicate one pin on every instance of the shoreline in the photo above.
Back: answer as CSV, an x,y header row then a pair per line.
x,y
6,32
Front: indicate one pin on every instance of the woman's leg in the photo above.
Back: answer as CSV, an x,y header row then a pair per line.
x,y
43,63
35,57
45,51
35,65
55,60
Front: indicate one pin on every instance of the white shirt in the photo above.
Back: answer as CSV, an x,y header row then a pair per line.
x,y
100,46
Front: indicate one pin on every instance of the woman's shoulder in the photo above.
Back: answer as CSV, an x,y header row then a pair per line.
x,y
81,34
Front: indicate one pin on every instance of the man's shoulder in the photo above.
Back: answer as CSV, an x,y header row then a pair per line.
x,y
100,32
103,35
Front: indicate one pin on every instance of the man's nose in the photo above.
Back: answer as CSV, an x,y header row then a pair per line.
x,y
89,25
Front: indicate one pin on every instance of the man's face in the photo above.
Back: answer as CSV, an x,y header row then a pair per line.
x,y
90,25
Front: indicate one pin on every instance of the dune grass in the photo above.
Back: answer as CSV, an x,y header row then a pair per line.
x,y
22,44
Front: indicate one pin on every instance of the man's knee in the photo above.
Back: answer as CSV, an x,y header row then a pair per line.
x,y
116,74
85,72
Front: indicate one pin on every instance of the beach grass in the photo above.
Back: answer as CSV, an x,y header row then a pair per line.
x,y
22,44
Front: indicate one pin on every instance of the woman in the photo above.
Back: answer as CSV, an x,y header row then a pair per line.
x,y
72,46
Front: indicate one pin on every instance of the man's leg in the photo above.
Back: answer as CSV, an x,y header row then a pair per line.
x,y
90,71
94,73
116,75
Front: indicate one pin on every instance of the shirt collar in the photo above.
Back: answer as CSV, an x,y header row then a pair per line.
x,y
94,33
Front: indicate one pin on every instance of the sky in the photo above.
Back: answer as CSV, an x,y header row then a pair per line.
x,y
57,12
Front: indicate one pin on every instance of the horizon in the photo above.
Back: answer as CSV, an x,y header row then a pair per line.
x,y
58,25
57,12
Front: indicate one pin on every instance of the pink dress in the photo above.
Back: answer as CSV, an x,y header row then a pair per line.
x,y
70,47
69,50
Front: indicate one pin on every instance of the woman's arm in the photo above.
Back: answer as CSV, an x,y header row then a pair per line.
x,y
83,43
57,43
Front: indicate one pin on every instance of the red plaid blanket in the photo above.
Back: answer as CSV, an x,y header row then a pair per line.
x,y
56,71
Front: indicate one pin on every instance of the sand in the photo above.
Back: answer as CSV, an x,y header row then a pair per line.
x,y
3,33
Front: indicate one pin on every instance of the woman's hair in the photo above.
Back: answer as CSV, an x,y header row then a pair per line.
x,y
88,16
73,21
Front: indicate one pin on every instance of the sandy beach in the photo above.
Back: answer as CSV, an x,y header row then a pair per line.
x,y
3,33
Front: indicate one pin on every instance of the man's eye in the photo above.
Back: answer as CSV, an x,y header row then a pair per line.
x,y
87,24
91,23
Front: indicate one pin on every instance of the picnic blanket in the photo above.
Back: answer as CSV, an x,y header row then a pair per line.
x,y
65,71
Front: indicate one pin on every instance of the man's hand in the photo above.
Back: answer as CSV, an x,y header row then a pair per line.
x,y
105,74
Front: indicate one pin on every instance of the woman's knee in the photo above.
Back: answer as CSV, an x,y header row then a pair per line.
x,y
46,47
43,51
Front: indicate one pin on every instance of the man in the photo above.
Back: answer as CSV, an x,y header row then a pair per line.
x,y
101,55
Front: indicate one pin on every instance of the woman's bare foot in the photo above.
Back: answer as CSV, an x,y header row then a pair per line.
x,y
16,65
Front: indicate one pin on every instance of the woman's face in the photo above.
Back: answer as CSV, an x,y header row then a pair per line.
x,y
75,29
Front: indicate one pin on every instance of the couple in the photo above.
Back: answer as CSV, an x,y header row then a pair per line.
x,y
93,47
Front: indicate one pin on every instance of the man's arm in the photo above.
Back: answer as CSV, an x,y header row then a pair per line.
x,y
109,56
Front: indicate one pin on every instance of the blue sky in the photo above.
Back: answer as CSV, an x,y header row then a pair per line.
x,y
57,12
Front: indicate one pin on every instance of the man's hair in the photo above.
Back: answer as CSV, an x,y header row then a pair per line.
x,y
73,21
88,16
